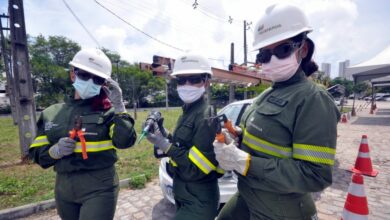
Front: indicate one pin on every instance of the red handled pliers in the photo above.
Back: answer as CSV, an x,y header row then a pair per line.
x,y
77,131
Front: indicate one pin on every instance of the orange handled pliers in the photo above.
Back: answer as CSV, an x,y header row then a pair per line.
x,y
77,131
220,137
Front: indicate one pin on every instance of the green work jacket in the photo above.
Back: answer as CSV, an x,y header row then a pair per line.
x,y
290,132
192,157
105,133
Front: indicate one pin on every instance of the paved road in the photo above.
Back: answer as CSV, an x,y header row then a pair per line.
x,y
148,203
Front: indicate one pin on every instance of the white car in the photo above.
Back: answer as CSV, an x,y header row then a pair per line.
x,y
227,183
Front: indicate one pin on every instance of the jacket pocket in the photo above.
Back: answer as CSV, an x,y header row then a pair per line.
x,y
184,134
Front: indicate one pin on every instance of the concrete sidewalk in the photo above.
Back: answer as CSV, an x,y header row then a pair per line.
x,y
149,204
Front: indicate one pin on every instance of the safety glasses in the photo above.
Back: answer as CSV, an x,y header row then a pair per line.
x,y
281,51
191,79
85,76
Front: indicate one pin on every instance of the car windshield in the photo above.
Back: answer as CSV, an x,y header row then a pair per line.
x,y
232,112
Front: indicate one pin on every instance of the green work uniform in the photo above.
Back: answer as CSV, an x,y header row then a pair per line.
x,y
290,132
193,164
85,189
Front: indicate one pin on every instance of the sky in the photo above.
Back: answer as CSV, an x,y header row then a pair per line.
x,y
356,30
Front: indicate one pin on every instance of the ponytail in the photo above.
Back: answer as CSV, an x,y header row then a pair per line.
x,y
308,65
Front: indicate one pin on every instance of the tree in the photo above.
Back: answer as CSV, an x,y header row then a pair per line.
x,y
348,84
49,60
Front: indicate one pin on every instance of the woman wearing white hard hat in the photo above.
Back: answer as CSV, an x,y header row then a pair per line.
x,y
80,138
192,159
289,132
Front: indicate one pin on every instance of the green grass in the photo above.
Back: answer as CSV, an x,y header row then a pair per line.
x,y
27,183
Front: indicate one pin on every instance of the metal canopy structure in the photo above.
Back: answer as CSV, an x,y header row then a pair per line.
x,y
234,78
376,67
376,70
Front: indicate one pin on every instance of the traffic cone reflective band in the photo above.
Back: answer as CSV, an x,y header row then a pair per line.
x,y
363,163
356,206
344,118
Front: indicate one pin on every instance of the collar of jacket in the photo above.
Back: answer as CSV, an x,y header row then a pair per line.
x,y
70,100
299,76
199,102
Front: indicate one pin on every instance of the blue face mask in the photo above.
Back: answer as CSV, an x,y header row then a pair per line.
x,y
86,89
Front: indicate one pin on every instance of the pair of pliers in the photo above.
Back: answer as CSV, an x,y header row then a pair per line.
x,y
77,131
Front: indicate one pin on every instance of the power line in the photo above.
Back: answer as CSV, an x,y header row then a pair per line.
x,y
81,23
136,28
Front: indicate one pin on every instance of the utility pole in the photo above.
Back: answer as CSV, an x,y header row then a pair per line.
x,y
5,51
231,86
245,46
24,98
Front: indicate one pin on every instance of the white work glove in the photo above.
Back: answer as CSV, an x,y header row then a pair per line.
x,y
114,93
155,137
65,146
230,157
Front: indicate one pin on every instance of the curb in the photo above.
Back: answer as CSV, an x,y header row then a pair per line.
x,y
29,209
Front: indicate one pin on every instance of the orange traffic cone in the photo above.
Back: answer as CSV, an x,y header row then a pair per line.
x,y
363,163
344,119
356,205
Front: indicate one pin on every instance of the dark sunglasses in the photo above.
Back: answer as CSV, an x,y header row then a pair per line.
x,y
281,51
85,76
191,79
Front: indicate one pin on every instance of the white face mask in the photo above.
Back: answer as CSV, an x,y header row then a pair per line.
x,y
86,89
279,70
189,93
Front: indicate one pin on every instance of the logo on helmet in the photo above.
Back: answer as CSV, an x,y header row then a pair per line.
x,y
91,60
184,60
261,29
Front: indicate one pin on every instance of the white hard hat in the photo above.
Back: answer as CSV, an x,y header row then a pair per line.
x,y
279,22
192,64
93,61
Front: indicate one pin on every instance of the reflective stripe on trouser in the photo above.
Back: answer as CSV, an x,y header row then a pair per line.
x,y
196,201
87,194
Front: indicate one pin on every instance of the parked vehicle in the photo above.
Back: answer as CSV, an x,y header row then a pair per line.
x,y
227,183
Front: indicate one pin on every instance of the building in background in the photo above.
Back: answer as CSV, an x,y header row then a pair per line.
x,y
325,67
342,69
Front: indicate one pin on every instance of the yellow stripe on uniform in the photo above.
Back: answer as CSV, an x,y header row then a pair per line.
x,y
314,153
95,146
200,160
172,162
266,147
111,133
40,141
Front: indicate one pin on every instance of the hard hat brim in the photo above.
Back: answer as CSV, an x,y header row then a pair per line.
x,y
280,37
90,70
190,72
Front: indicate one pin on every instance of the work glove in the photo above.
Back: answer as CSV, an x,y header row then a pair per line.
x,y
230,157
114,93
157,138
65,146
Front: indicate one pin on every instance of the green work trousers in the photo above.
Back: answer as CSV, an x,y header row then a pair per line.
x,y
237,208
195,201
87,194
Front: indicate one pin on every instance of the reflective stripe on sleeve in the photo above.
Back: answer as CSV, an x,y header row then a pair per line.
x,y
111,133
40,141
200,160
172,162
266,147
95,146
313,153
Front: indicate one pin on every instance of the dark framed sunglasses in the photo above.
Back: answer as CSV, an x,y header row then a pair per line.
x,y
85,76
281,51
191,79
